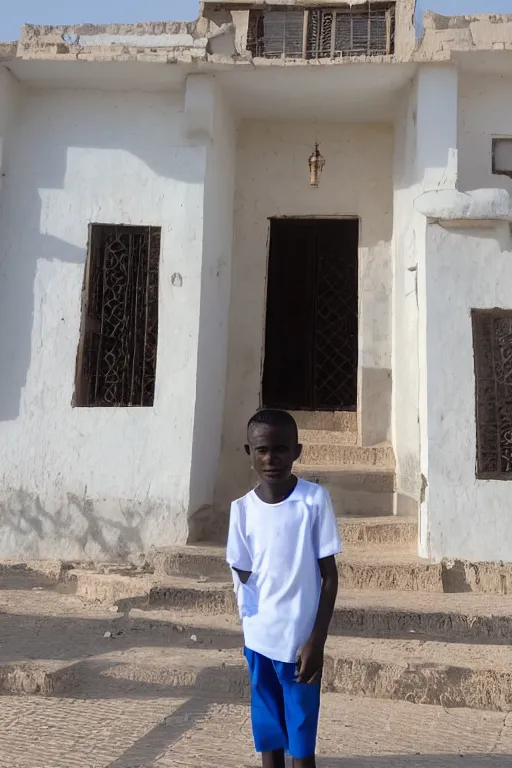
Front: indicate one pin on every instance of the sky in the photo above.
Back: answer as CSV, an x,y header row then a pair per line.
x,y
14,14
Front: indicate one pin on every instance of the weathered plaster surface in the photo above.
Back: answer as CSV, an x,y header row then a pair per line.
x,y
407,239
466,268
485,111
9,96
272,180
165,42
8,51
219,37
445,34
206,106
79,482
425,159
448,205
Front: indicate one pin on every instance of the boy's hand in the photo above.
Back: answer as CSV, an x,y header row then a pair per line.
x,y
311,662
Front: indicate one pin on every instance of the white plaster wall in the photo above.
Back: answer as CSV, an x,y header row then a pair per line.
x,y
272,179
219,188
8,106
485,104
408,238
425,159
76,482
467,268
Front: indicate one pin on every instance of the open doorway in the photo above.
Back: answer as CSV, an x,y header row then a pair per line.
x,y
311,330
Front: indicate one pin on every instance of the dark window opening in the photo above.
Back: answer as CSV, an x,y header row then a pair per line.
x,y
492,345
316,33
311,332
116,362
502,157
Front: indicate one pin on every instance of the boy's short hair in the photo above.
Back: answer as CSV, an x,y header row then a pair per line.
x,y
273,417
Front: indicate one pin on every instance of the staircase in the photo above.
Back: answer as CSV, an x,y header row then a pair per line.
x,y
396,633
361,480
403,628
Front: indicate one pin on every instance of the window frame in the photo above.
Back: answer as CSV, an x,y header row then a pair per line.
x,y
98,234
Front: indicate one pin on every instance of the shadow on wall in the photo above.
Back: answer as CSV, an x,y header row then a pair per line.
x,y
47,127
75,528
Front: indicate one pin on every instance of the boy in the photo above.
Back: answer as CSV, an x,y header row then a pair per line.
x,y
281,546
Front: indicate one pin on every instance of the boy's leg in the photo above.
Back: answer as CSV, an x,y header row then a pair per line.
x,y
302,710
273,759
267,711
304,762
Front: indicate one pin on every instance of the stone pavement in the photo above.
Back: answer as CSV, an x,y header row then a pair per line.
x,y
145,694
145,731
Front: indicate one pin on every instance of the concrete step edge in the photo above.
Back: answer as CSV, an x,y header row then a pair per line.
x,y
328,420
467,686
39,677
325,454
328,437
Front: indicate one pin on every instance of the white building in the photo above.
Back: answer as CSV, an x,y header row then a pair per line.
x,y
166,267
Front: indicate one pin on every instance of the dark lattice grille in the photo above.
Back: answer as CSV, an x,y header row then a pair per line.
x,y
335,346
311,328
117,354
492,341
367,31
276,33
316,33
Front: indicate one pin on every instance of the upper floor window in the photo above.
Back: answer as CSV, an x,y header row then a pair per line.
x,y
319,33
502,156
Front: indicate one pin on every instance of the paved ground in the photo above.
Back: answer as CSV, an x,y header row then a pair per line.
x,y
147,732
128,712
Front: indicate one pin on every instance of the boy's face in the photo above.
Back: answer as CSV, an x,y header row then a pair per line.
x,y
273,451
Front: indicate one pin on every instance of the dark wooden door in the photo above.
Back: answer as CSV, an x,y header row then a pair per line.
x,y
311,318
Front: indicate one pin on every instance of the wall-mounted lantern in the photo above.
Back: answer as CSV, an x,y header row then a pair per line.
x,y
316,166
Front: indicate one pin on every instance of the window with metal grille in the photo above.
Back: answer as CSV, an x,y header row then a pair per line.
x,y
117,352
492,344
317,33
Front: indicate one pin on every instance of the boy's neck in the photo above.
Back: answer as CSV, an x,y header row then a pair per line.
x,y
274,493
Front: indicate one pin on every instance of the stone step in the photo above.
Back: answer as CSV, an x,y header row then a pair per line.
x,y
209,660
336,455
359,568
214,594
456,618
327,437
421,672
54,643
332,421
41,677
405,670
382,532
362,491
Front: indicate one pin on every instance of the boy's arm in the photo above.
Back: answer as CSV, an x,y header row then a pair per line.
x,y
243,575
312,655
328,544
237,551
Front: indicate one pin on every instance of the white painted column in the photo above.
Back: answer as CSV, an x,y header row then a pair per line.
x,y
211,123
436,168
425,158
8,105
469,266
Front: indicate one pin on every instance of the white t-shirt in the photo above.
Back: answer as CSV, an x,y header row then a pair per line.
x,y
281,545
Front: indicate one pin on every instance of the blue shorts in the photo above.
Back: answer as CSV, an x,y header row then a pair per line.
x,y
284,713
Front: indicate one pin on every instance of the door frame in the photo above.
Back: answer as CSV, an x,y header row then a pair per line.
x,y
316,217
